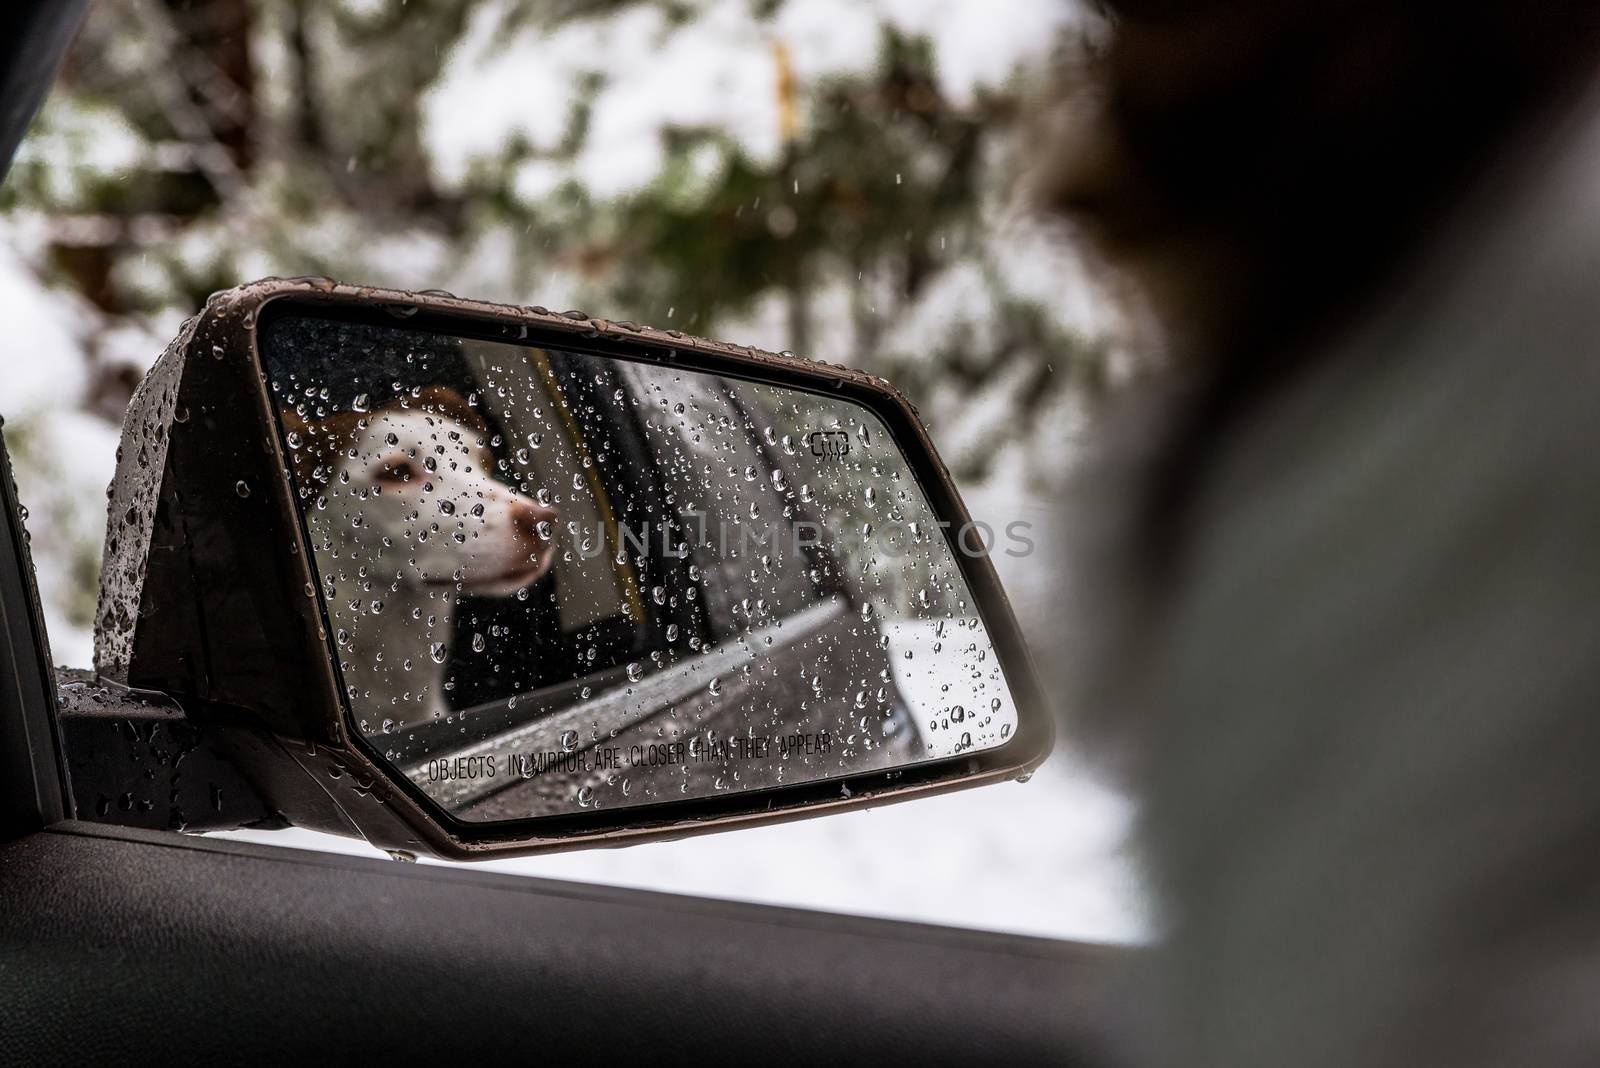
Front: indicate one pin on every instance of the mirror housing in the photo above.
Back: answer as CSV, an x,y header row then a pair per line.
x,y
210,597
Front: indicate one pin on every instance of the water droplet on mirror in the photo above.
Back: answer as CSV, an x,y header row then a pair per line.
x,y
478,643
241,487
437,651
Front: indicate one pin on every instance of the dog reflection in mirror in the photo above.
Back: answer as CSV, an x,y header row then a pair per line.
x,y
405,515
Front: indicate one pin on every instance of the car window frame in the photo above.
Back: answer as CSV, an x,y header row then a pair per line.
x,y
34,788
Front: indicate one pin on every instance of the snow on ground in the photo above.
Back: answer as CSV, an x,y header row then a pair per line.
x,y
1041,858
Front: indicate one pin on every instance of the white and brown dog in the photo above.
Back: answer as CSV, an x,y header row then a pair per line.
x,y
405,515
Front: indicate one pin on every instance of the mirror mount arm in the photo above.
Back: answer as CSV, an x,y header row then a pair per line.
x,y
135,758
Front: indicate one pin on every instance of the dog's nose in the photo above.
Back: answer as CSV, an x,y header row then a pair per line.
x,y
526,518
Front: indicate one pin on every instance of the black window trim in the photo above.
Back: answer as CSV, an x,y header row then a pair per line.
x,y
33,781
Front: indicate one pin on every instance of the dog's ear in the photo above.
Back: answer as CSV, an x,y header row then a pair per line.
x,y
442,400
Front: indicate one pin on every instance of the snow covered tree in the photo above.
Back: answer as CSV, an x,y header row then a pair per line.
x,y
834,177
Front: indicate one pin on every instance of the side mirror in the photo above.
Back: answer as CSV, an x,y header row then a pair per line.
x,y
499,580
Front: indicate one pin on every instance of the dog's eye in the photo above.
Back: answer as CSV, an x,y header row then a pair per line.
x,y
398,469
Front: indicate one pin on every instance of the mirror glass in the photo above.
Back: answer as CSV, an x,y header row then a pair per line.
x,y
558,581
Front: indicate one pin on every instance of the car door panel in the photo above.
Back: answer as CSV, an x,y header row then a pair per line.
x,y
120,944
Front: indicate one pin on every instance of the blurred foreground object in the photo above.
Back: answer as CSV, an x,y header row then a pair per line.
x,y
1358,686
